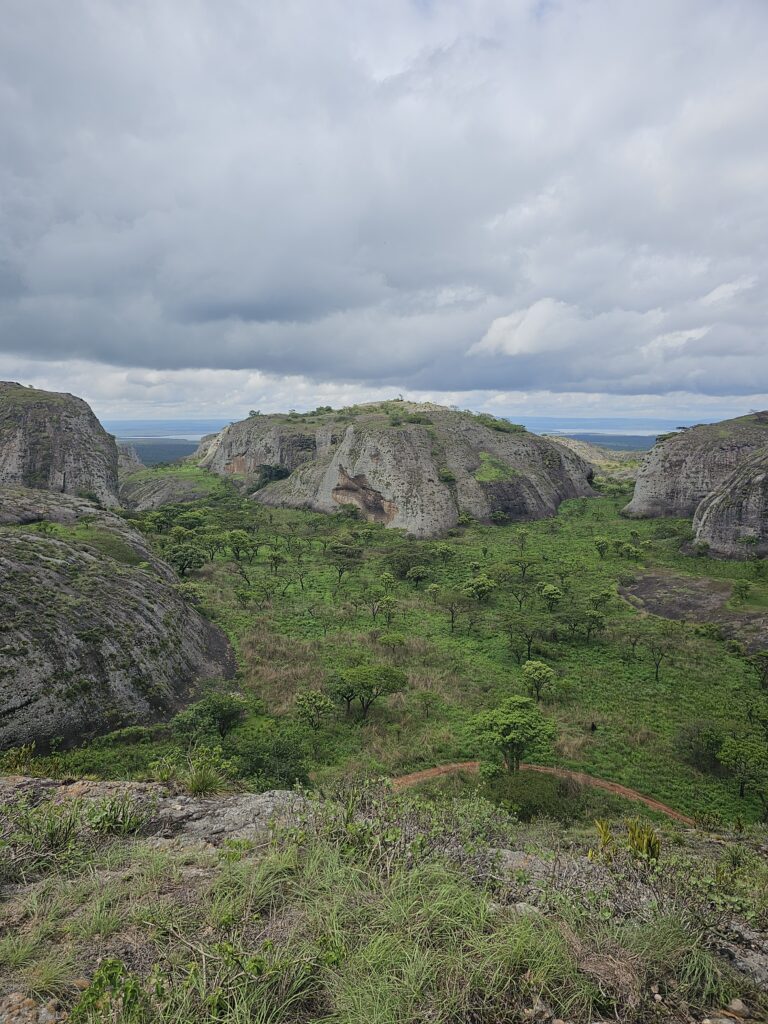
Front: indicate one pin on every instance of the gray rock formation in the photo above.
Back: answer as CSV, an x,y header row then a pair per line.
x,y
608,462
416,467
94,634
733,520
682,469
54,442
128,460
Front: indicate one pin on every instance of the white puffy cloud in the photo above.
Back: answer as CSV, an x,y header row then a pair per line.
x,y
503,196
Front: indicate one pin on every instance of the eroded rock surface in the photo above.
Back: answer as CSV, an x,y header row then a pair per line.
x,y
733,520
682,469
94,634
128,460
54,442
417,471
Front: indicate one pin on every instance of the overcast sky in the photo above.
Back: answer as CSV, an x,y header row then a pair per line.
x,y
523,205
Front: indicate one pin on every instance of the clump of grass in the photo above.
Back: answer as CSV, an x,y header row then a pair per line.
x,y
51,975
18,950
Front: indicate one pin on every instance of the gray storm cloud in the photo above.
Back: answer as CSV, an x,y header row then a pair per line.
x,y
462,196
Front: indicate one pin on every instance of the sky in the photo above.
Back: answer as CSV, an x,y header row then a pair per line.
x,y
526,206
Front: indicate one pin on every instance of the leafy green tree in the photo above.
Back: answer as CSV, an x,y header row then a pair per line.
x,y
343,689
212,543
388,608
184,557
392,641
417,574
522,633
479,587
276,559
514,729
551,595
215,715
388,582
239,543
344,558
741,590
594,622
539,678
313,707
444,553
601,543
372,682
454,603
746,757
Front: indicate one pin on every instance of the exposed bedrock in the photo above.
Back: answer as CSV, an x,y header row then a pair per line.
x,y
417,471
682,469
54,442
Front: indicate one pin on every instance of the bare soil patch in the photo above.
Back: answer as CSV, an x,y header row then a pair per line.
x,y
697,599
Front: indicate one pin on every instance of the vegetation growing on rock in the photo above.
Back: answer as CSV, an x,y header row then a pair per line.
x,y
416,467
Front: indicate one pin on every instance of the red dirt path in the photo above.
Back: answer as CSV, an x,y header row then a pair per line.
x,y
404,781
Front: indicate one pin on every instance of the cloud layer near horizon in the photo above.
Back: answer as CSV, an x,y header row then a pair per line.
x,y
497,196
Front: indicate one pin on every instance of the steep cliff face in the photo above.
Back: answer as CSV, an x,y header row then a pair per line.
x,y
128,460
416,467
733,520
93,633
54,442
683,469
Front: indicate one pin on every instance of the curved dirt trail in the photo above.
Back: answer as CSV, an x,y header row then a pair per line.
x,y
404,781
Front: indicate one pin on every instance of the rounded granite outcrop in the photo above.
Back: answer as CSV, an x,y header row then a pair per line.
x,y
684,468
94,634
733,520
53,442
415,467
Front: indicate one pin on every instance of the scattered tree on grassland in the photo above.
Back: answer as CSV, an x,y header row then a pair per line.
x,y
539,678
313,707
746,757
516,728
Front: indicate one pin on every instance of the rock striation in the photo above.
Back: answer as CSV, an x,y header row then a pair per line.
x,y
128,460
733,519
152,488
53,442
414,467
94,634
683,469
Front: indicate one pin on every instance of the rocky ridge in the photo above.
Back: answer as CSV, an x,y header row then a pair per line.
x,y
414,467
684,468
94,634
718,474
147,489
128,460
52,441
